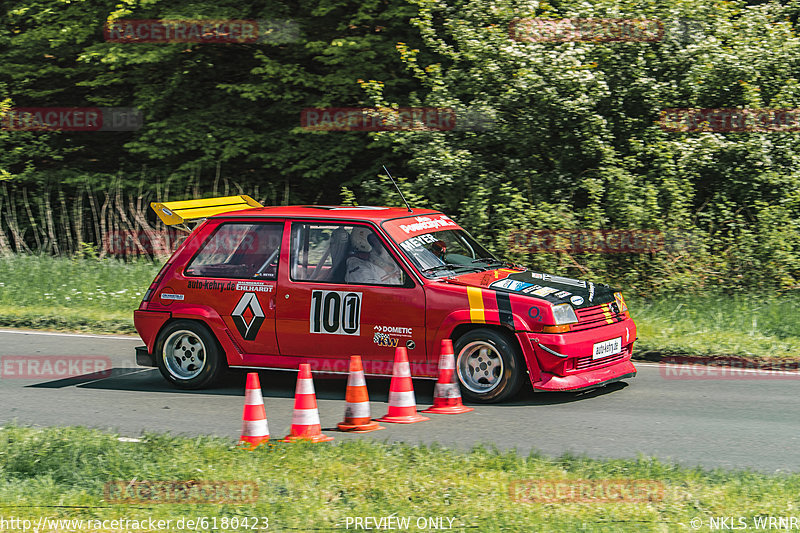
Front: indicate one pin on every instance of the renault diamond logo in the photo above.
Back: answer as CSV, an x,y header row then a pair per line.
x,y
248,316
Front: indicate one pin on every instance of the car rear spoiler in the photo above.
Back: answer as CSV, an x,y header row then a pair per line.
x,y
182,212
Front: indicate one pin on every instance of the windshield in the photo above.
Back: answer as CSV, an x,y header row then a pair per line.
x,y
446,253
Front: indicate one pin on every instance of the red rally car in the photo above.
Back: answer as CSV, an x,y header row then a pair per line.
x,y
270,287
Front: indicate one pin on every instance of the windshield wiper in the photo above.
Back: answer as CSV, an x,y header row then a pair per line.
x,y
447,266
489,260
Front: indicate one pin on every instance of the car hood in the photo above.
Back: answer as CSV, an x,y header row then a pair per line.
x,y
553,289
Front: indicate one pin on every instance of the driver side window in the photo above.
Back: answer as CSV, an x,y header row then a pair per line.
x,y
351,254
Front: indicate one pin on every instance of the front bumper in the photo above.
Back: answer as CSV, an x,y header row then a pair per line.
x,y
589,379
562,362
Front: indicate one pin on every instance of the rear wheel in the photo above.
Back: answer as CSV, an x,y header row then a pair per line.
x,y
188,355
489,365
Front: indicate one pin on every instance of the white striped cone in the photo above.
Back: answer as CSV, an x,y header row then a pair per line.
x,y
254,418
447,393
305,419
356,411
402,404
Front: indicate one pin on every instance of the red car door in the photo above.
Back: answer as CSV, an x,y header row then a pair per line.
x,y
334,302
235,274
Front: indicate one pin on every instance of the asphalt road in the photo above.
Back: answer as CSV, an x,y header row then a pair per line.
x,y
732,423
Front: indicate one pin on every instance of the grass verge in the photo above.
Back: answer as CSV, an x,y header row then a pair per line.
x,y
100,296
762,327
61,473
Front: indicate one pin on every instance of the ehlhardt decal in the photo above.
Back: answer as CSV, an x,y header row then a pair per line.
x,y
253,286
335,312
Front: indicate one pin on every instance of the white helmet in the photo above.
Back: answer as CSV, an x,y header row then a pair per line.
x,y
359,239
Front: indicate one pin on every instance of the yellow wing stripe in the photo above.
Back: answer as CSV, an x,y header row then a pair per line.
x,y
607,314
476,310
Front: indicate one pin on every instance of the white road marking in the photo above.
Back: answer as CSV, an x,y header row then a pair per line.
x,y
737,369
56,334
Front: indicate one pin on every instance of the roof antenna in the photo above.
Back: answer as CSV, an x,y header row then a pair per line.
x,y
398,189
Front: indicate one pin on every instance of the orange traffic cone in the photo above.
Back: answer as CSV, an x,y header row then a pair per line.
x,y
305,419
356,410
254,418
402,404
447,394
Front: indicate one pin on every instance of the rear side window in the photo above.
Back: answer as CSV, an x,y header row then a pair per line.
x,y
239,250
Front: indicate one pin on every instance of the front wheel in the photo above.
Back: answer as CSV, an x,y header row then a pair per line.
x,y
188,355
488,365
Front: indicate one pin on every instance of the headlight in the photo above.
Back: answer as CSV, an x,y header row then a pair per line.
x,y
620,302
564,314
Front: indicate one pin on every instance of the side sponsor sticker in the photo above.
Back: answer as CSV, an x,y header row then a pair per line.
x,y
335,312
254,286
382,339
395,330
222,286
171,296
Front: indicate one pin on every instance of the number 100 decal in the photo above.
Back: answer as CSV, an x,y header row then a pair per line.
x,y
336,312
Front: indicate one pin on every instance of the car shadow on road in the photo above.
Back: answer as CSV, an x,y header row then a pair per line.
x,y
274,384
281,384
528,397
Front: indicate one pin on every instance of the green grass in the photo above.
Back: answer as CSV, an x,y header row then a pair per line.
x,y
61,472
72,294
100,296
758,326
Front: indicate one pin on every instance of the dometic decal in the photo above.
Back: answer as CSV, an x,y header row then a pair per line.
x,y
395,330
336,312
248,316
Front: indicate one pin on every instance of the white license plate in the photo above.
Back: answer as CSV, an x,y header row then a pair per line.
x,y
606,348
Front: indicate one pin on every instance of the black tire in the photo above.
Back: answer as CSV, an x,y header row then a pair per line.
x,y
188,355
489,365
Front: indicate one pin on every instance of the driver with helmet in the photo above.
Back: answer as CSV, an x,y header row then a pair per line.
x,y
371,262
